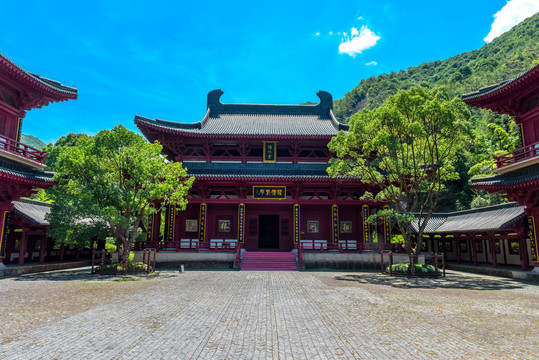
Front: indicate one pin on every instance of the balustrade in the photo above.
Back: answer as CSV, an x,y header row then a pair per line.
x,y
20,149
524,153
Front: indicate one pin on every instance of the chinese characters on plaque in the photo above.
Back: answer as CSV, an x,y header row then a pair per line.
x,y
191,225
270,151
224,225
269,192
346,227
313,226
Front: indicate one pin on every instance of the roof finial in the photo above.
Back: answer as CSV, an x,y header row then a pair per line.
x,y
213,98
326,101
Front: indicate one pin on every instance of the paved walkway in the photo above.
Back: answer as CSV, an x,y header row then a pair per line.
x,y
268,315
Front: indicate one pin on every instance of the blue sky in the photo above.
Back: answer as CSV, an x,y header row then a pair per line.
x,y
160,59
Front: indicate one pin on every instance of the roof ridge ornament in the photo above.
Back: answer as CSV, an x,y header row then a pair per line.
x,y
214,97
326,101
216,106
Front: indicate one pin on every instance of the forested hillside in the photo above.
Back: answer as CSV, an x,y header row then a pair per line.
x,y
32,141
504,58
490,134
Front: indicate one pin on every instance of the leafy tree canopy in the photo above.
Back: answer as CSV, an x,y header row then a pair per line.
x,y
51,157
504,58
407,148
111,179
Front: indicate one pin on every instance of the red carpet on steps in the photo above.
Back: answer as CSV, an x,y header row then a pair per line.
x,y
268,261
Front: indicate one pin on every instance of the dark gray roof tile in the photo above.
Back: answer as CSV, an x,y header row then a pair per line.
x,y
495,87
526,174
254,119
32,210
256,170
480,219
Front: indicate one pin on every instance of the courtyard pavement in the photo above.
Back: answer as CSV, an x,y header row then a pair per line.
x,y
267,315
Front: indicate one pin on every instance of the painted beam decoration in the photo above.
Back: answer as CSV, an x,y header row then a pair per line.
x,y
3,231
366,226
270,151
297,228
533,238
335,223
387,226
171,222
269,192
241,223
202,223
149,226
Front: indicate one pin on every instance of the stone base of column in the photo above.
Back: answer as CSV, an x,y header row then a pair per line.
x,y
535,268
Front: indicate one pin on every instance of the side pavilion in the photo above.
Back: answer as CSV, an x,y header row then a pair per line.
x,y
518,171
21,166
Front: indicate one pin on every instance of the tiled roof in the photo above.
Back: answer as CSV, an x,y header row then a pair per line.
x,y
264,170
9,167
480,219
254,119
54,84
493,89
37,80
32,210
523,175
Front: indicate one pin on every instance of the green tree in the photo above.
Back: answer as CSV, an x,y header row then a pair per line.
x,y
407,148
114,177
51,157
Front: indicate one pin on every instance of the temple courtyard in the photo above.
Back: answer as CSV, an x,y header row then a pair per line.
x,y
71,314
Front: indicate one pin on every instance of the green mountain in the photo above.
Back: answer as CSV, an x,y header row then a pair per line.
x,y
504,58
490,134
32,141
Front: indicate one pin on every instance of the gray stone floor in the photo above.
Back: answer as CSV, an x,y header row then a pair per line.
x,y
267,315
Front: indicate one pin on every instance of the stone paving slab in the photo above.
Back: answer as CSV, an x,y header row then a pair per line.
x,y
288,315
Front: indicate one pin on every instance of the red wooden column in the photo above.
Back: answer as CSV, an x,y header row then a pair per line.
x,y
459,256
22,245
474,250
386,226
156,229
532,235
493,250
4,220
62,252
42,247
522,248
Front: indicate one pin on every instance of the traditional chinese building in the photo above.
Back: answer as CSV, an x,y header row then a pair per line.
x,y
518,171
261,182
494,235
21,166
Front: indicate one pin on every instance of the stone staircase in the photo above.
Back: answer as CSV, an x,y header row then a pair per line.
x,y
268,261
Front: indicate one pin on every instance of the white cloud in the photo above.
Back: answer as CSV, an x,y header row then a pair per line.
x,y
372,63
360,18
358,41
511,14
331,33
317,33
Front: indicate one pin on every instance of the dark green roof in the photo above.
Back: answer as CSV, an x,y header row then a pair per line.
x,y
265,170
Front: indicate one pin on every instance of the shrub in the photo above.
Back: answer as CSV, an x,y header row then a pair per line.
x,y
130,267
419,269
